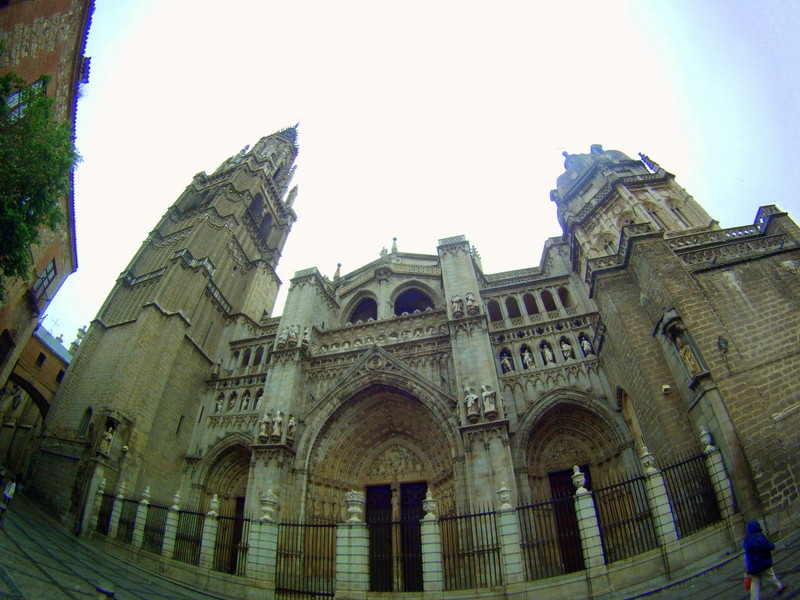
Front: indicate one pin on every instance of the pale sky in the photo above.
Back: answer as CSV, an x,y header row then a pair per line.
x,y
424,119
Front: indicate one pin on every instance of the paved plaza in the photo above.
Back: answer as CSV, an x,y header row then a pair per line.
x,y
40,559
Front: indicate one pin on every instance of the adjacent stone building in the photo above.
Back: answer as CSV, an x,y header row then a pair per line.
x,y
644,327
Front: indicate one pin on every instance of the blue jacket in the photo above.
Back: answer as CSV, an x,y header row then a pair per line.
x,y
757,549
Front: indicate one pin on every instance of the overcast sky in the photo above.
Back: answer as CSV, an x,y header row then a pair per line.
x,y
424,119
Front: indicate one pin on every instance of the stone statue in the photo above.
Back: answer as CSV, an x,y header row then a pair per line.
x,y
506,364
232,402
586,346
472,306
488,397
472,404
547,354
458,304
265,428
688,357
527,359
306,336
291,428
566,349
283,337
277,426
108,437
294,330
218,403
245,402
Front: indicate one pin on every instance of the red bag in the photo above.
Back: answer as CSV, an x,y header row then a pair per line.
x,y
747,582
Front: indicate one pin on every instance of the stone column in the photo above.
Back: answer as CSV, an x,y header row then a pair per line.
x,y
171,527
116,511
208,542
508,522
432,569
591,542
98,503
352,550
262,558
719,475
657,498
141,519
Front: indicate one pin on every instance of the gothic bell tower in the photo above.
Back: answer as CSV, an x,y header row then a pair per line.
x,y
204,274
604,191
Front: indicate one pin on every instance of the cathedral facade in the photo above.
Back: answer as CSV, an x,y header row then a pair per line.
x,y
644,325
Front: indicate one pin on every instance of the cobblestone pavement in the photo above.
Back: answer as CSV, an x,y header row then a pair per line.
x,y
39,560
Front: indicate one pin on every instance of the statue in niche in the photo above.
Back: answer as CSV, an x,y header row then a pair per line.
x,y
306,337
687,356
566,349
258,401
473,405
232,402
488,396
277,426
547,354
108,438
458,305
472,306
218,403
283,337
527,359
291,428
294,330
505,363
586,346
264,428
245,402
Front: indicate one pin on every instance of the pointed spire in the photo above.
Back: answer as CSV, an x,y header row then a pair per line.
x,y
338,273
394,245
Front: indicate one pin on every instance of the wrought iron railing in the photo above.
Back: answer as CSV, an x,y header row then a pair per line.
x,y
154,526
104,516
625,519
230,551
189,537
471,551
550,546
127,519
306,561
694,504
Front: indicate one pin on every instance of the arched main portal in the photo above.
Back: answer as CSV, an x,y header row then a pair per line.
x,y
387,443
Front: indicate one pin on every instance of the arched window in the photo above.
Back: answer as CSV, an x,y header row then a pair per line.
x,y
234,360
266,226
411,301
259,355
547,300
493,308
83,427
530,304
364,310
245,359
512,308
564,296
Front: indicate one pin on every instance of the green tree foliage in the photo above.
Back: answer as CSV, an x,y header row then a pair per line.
x,y
37,156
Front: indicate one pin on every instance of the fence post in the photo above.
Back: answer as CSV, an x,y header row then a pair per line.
x,y
432,570
719,476
591,542
208,541
171,526
352,549
98,503
513,568
116,511
141,519
657,498
262,557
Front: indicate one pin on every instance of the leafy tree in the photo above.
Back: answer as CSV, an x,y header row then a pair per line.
x,y
37,156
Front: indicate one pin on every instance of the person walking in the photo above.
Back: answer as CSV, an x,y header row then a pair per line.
x,y
8,494
758,561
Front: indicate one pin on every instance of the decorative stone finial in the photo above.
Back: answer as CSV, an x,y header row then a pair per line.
x,y
355,505
429,506
146,495
121,492
268,502
706,440
176,501
647,460
101,489
579,480
504,495
213,506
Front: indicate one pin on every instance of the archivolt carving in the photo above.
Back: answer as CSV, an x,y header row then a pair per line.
x,y
396,460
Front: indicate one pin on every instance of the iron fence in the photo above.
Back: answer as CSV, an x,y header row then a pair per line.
x,y
189,537
395,555
127,520
471,551
154,526
230,551
625,519
306,561
104,516
550,546
694,504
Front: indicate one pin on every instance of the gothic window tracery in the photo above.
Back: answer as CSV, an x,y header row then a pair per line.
x,y
412,300
366,309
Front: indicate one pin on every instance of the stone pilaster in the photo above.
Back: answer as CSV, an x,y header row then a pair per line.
x,y
657,498
508,524
719,475
352,551
171,528
98,503
591,542
208,542
116,512
141,519
432,568
262,558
